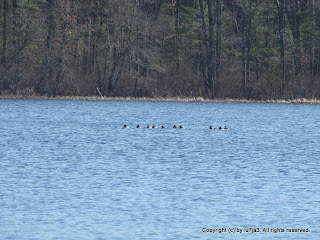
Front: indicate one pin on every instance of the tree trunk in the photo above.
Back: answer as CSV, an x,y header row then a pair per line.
x,y
317,47
243,58
218,37
4,33
87,50
47,70
205,43
116,68
100,78
249,41
19,46
317,42
61,60
211,50
281,12
176,39
295,25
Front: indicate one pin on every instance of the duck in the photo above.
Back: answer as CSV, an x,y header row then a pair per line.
x,y
125,126
163,126
148,126
153,126
181,127
174,126
225,127
211,127
220,128
138,126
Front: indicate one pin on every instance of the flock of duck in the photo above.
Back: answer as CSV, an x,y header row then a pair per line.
x,y
176,126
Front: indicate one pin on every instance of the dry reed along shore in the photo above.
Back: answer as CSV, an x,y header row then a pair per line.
x,y
169,99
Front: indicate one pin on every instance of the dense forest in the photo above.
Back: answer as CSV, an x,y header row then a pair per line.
x,y
253,49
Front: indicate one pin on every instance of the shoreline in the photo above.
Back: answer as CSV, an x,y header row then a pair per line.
x,y
160,99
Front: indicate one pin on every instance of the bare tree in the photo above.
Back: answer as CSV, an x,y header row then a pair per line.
x,y
4,33
208,68
281,12
218,16
47,73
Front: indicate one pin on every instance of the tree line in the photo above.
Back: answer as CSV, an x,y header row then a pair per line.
x,y
253,49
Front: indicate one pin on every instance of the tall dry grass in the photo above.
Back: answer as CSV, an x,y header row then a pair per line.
x,y
169,99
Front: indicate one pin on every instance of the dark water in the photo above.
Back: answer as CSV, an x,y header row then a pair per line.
x,y
68,170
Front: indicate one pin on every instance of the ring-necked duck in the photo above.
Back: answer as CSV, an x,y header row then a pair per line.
x,y
125,126
225,127
138,126
148,126
174,126
181,126
163,127
153,126
211,127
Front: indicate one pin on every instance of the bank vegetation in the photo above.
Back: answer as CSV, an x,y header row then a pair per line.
x,y
262,50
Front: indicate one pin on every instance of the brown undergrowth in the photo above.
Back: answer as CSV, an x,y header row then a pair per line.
x,y
170,99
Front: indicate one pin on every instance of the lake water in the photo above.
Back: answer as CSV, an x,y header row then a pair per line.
x,y
68,170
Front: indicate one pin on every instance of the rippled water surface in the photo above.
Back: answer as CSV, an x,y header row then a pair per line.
x,y
68,170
